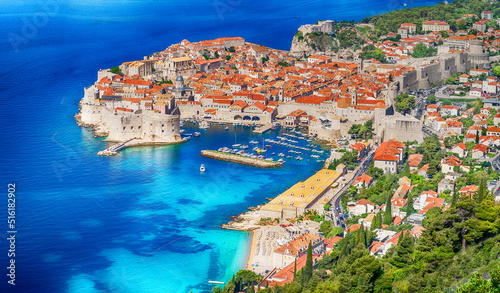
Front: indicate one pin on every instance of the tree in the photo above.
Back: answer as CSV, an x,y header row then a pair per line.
x,y
388,212
116,70
404,250
307,271
422,50
431,99
496,70
371,51
228,57
454,198
216,55
481,192
406,171
231,49
404,103
390,78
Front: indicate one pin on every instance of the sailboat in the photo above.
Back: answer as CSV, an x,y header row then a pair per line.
x,y
202,168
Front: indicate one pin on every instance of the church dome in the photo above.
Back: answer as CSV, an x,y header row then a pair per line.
x,y
179,78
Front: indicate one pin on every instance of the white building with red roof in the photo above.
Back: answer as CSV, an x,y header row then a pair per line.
x,y
362,206
363,181
388,155
460,150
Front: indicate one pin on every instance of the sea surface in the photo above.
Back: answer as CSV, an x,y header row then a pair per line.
x,y
145,220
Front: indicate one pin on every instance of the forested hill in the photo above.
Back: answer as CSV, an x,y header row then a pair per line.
x,y
450,13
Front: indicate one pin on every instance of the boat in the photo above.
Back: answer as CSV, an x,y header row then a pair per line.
x,y
227,128
204,125
202,168
281,154
268,146
216,282
273,153
281,160
298,158
244,147
236,145
254,142
196,134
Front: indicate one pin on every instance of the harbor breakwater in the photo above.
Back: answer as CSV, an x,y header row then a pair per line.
x,y
240,159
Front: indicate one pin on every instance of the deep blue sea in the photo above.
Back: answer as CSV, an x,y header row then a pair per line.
x,y
145,220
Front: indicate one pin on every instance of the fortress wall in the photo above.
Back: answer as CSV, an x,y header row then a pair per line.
x,y
311,109
91,114
160,127
124,126
404,130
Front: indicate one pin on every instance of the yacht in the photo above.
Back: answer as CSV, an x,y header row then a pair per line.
x,y
202,168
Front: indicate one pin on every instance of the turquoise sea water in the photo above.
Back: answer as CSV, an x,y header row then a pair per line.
x,y
146,220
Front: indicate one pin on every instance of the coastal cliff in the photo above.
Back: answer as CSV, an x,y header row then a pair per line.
x,y
311,43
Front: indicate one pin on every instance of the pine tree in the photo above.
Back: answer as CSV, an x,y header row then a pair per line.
x,y
307,271
388,212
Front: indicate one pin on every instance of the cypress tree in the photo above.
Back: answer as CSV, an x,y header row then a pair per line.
x,y
454,198
358,236
481,191
308,268
388,214
295,269
477,137
406,172
409,206
251,288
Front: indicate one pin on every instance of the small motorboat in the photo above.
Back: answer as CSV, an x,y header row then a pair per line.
x,y
227,128
196,134
202,168
236,145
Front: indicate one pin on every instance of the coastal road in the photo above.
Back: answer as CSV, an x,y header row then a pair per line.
x,y
335,202
495,163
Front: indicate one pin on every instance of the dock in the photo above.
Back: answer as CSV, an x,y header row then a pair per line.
x,y
240,159
113,151
262,128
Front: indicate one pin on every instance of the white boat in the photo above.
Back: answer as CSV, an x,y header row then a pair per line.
x,y
254,142
204,125
281,154
236,145
202,168
227,128
244,147
281,160
196,134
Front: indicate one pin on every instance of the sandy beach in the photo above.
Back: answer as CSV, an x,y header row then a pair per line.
x,y
252,250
